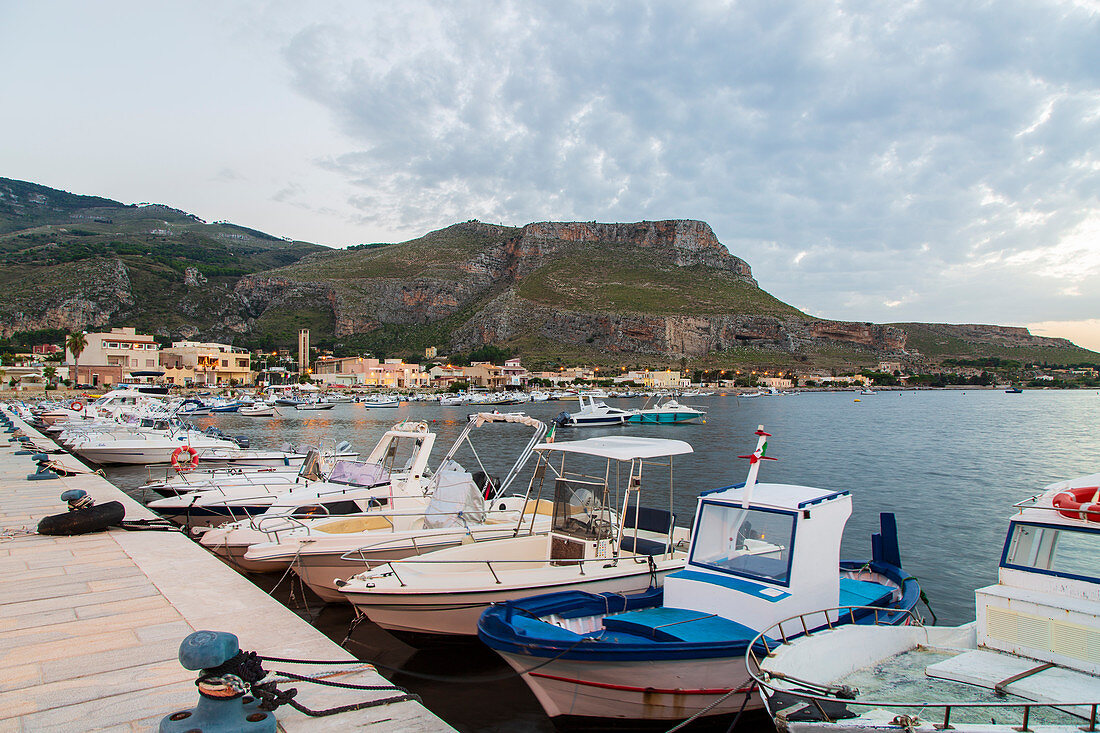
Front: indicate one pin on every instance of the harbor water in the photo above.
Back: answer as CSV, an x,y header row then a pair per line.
x,y
949,464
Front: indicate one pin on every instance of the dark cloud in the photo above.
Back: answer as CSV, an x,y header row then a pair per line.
x,y
925,160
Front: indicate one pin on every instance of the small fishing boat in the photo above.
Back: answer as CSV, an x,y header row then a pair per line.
x,y
381,402
1030,661
759,553
257,409
669,412
593,414
1014,390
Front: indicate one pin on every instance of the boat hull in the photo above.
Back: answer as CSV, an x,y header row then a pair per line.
x,y
675,689
451,613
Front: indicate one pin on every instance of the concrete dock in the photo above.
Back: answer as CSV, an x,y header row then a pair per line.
x,y
90,625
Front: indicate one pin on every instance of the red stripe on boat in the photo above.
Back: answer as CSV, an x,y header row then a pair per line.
x,y
627,688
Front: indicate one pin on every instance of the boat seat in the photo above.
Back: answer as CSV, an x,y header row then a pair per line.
x,y
863,593
678,624
657,523
355,524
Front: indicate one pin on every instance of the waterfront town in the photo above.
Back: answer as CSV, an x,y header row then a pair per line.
x,y
122,355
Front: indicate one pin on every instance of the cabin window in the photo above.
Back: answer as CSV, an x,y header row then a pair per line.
x,y
1066,551
755,543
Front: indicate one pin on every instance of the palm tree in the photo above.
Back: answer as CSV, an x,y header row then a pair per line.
x,y
76,343
49,372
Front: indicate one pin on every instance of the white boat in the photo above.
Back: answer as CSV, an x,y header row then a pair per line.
x,y
669,412
314,405
402,454
601,540
381,401
1030,661
593,414
453,510
289,456
145,448
257,409
759,553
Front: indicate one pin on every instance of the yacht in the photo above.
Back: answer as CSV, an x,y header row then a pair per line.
x,y
593,414
669,412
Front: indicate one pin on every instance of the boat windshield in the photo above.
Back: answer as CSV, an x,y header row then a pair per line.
x,y
753,542
1070,552
580,510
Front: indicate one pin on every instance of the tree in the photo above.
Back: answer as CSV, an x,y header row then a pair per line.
x,y
76,343
49,372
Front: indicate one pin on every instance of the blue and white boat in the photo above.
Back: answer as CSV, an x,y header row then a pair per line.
x,y
669,412
760,553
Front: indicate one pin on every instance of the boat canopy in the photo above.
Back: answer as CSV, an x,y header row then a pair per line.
x,y
619,448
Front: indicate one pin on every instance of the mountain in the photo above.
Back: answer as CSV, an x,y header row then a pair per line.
x,y
69,262
626,293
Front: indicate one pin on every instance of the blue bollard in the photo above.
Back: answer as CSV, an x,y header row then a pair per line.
x,y
205,650
42,474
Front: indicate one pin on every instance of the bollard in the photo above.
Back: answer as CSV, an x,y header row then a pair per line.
x,y
42,474
224,705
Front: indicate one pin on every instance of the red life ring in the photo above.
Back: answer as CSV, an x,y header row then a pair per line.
x,y
1080,503
190,463
76,405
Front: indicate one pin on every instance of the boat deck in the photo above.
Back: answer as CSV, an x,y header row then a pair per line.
x,y
90,626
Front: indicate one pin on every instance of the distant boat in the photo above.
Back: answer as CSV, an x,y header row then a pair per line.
x,y
669,413
1013,390
315,405
593,414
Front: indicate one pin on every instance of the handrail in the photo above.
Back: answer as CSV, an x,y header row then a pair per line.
x,y
762,677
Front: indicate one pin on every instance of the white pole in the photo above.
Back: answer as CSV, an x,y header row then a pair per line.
x,y
754,465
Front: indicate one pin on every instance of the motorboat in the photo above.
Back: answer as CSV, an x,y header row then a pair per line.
x,y
155,446
289,456
458,506
601,540
347,488
175,483
593,414
402,455
669,412
257,409
318,405
759,553
381,402
1029,661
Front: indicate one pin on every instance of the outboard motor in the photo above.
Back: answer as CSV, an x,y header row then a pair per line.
x,y
241,440
343,446
488,484
562,419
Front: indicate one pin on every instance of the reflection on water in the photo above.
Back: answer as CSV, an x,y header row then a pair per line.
x,y
948,463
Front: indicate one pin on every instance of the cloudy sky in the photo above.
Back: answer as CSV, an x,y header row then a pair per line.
x,y
881,161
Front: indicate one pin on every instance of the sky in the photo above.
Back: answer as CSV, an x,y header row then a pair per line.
x,y
872,161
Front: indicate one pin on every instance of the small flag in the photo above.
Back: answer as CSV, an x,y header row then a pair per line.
x,y
550,434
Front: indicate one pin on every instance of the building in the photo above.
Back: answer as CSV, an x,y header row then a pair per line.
x,y
664,379
353,371
303,350
109,358
777,382
485,374
192,362
889,367
45,349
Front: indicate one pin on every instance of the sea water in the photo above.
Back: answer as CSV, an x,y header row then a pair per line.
x,y
948,463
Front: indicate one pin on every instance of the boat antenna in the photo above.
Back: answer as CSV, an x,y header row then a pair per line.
x,y
754,464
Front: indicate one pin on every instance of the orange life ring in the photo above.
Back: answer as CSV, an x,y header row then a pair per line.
x,y
190,463
1080,503
76,405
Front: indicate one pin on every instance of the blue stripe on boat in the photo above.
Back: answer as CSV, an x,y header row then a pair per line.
x,y
678,624
767,592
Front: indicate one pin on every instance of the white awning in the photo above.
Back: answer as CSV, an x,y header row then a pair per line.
x,y
620,448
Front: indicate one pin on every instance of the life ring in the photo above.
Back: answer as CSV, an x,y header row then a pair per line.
x,y
1080,503
190,463
76,405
